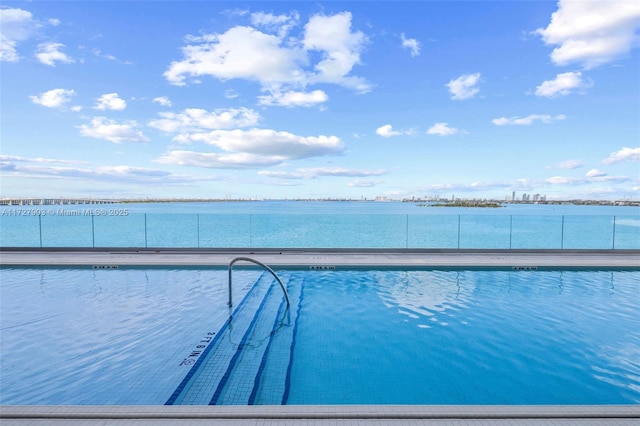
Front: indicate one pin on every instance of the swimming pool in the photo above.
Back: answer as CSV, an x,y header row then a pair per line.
x,y
388,336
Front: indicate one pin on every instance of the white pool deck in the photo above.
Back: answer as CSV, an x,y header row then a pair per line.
x,y
334,414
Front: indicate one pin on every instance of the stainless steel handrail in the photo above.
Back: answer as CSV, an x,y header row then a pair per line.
x,y
248,259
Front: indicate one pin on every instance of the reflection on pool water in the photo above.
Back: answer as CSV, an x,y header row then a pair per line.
x,y
161,335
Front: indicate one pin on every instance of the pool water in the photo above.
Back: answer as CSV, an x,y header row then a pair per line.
x,y
156,336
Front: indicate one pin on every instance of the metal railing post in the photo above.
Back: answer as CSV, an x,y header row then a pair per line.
x,y
613,242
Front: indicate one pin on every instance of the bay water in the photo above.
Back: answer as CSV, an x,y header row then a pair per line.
x,y
320,224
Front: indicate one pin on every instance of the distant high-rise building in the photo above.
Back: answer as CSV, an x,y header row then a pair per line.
x,y
513,196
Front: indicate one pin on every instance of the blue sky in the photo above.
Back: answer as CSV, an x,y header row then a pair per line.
x,y
128,99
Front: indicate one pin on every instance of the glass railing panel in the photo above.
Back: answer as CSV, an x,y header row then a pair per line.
x,y
484,232
588,232
328,231
220,231
119,231
67,231
19,231
172,230
627,234
536,232
432,231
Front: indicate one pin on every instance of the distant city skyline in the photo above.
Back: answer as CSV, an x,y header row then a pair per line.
x,y
353,100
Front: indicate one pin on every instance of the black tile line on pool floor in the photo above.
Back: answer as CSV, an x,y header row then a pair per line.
x,y
280,330
282,309
172,399
287,383
225,378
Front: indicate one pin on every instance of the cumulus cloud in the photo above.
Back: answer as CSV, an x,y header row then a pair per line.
x,y
340,48
464,87
278,61
387,131
410,43
54,98
16,25
110,101
49,53
196,119
442,129
527,121
103,128
592,33
162,100
293,99
624,154
267,142
563,84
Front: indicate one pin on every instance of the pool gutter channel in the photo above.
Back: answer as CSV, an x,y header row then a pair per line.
x,y
329,259
314,412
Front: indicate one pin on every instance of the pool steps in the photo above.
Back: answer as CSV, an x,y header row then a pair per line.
x,y
252,348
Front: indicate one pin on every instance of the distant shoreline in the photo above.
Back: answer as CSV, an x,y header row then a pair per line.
x,y
481,203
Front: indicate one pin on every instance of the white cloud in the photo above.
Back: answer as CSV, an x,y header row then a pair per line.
x,y
276,62
281,24
624,154
195,120
16,25
595,173
410,43
571,164
562,85
103,128
49,53
387,131
592,33
442,129
340,47
526,121
110,101
292,99
218,161
363,183
240,52
54,98
314,172
267,142
54,22
563,180
231,94
53,168
162,100
596,177
464,87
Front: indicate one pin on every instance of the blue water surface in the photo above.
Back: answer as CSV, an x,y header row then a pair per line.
x,y
320,224
127,336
